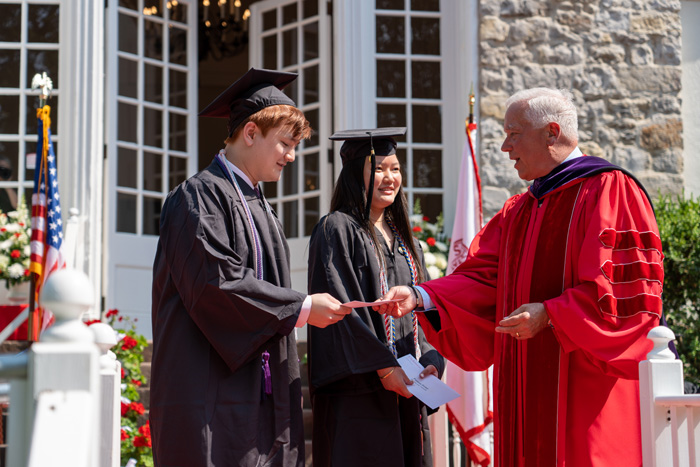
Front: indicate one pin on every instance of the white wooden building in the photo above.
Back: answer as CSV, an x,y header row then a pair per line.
x,y
131,75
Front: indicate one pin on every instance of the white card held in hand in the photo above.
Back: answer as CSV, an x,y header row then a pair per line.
x,y
358,304
430,390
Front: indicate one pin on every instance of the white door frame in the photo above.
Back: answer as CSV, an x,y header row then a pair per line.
x,y
299,245
129,256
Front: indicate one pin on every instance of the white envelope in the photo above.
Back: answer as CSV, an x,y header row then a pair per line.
x,y
430,390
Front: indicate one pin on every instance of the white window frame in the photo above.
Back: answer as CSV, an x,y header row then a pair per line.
x,y
355,79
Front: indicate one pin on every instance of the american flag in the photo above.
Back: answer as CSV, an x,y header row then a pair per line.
x,y
47,226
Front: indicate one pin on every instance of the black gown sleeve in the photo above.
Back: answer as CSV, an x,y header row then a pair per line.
x,y
238,314
429,355
339,264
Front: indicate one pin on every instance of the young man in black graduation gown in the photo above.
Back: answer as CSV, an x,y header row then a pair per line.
x,y
225,388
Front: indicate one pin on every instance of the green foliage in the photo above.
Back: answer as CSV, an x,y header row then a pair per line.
x,y
135,431
679,226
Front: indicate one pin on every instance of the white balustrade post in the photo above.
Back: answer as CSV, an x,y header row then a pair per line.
x,y
659,375
63,380
110,407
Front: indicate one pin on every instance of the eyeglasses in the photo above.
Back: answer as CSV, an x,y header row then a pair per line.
x,y
5,172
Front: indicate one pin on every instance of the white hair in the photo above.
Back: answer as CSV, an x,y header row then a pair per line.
x,y
545,105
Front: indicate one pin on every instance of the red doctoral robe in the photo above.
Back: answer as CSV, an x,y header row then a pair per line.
x,y
590,251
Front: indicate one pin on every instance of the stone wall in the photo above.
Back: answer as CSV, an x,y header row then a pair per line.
x,y
620,58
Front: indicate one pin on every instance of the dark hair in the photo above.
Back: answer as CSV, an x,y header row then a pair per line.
x,y
350,196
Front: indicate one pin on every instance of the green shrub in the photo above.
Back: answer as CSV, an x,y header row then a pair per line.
x,y
679,225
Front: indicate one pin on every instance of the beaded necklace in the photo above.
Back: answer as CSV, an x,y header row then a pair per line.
x,y
257,250
389,325
221,159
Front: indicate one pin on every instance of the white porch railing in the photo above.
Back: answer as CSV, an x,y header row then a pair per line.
x,y
64,391
670,419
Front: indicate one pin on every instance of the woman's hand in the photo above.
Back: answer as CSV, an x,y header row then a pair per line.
x,y
394,379
429,370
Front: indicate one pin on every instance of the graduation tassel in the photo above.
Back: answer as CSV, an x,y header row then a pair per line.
x,y
370,188
267,376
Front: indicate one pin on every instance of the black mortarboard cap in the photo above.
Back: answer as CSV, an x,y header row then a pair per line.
x,y
363,143
359,143
252,92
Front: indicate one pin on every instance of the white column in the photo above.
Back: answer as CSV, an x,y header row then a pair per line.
x,y
81,128
690,83
110,387
354,68
659,375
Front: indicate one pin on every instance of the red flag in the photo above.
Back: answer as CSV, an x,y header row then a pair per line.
x,y
470,414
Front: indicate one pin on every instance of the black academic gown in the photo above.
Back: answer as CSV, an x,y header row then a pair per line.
x,y
212,321
356,421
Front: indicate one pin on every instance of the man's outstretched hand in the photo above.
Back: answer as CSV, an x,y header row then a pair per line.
x,y
525,322
406,303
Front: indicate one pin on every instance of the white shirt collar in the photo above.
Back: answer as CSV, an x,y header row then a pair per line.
x,y
240,173
574,154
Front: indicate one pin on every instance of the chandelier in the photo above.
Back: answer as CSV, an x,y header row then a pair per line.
x,y
224,29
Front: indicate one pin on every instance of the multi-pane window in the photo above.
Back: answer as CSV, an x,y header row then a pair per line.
x,y
289,41
151,109
28,45
408,61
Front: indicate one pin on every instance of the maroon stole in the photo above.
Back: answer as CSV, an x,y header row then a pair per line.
x,y
528,383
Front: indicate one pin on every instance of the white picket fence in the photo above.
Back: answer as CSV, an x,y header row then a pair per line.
x,y
670,418
65,390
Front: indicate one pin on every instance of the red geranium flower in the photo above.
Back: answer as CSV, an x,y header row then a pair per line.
x,y
142,441
426,218
93,321
129,343
17,234
145,430
26,272
136,382
125,408
430,241
21,224
125,434
145,439
137,407
112,312
417,229
123,373
15,254
3,229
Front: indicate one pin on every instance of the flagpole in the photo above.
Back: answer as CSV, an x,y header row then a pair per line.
x,y
42,81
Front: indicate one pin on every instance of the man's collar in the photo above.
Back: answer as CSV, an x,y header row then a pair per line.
x,y
240,173
574,154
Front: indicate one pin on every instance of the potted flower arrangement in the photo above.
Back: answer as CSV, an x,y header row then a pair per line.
x,y
15,236
136,447
432,241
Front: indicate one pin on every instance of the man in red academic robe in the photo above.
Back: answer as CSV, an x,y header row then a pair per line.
x,y
558,292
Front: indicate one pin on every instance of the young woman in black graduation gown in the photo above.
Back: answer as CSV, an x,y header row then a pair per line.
x,y
363,413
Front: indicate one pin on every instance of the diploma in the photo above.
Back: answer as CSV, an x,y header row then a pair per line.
x,y
429,390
